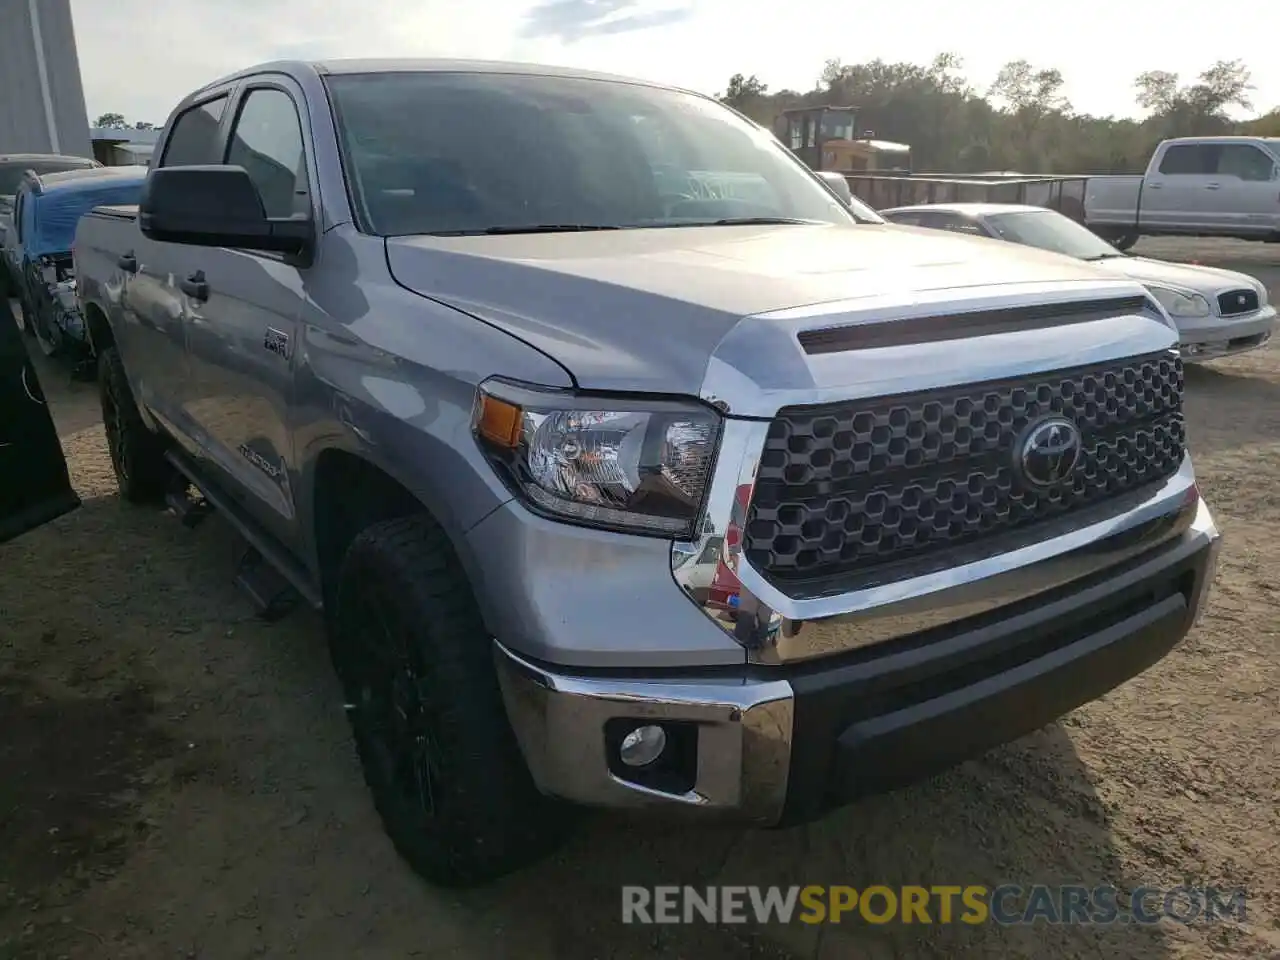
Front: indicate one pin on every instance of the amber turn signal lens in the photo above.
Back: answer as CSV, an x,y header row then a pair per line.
x,y
499,422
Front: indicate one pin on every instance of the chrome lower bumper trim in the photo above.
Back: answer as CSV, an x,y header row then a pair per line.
x,y
1204,526
750,730
744,731
777,628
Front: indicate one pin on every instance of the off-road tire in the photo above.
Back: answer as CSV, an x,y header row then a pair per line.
x,y
137,453
401,580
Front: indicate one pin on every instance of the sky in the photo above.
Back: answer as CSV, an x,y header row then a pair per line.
x,y
139,57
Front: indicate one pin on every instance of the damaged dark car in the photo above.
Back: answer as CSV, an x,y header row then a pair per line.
x,y
46,211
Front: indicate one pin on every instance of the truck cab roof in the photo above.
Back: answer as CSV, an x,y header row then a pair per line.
x,y
339,66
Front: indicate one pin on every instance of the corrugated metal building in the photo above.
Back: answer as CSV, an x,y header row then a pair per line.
x,y
41,99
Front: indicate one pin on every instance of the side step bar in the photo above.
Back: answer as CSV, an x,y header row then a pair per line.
x,y
266,570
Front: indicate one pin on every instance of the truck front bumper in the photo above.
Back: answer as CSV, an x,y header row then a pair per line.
x,y
776,744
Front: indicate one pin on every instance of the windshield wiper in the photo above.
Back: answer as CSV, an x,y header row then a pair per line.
x,y
528,228
735,222
754,221
1104,256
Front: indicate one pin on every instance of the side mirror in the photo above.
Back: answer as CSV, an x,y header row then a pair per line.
x,y
214,206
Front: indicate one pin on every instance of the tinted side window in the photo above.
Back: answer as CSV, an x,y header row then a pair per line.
x,y
1190,158
934,221
959,225
1245,162
195,136
267,142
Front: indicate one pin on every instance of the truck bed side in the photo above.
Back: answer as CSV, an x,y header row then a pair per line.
x,y
102,235
1113,201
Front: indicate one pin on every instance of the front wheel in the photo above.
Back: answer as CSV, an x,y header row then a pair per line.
x,y
431,729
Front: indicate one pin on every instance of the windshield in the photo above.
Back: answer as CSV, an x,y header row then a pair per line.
x,y
837,125
478,152
11,172
1049,230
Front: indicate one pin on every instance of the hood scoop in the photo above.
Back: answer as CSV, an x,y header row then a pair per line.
x,y
894,331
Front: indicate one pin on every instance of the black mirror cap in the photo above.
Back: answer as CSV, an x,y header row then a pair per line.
x,y
214,206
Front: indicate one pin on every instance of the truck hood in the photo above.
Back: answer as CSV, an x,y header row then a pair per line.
x,y
645,310
1199,279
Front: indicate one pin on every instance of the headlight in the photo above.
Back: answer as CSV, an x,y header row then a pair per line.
x,y
1181,303
632,465
1262,295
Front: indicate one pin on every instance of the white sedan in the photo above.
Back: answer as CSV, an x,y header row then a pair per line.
x,y
1217,312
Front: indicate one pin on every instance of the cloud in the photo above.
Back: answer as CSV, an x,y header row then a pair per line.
x,y
571,20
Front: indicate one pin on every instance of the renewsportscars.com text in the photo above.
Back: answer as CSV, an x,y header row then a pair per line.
x,y
972,904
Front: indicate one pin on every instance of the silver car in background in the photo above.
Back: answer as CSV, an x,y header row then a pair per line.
x,y
1217,312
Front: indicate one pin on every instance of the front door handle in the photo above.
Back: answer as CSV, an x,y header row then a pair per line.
x,y
1212,186
128,262
195,286
1154,186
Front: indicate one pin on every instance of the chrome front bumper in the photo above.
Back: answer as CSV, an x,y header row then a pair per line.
x,y
1218,337
761,755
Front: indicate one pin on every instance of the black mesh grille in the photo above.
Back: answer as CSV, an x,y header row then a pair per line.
x,y
846,488
1237,301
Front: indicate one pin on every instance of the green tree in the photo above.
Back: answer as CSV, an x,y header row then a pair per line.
x,y
1267,125
929,107
113,121
1023,122
747,96
1036,106
1201,107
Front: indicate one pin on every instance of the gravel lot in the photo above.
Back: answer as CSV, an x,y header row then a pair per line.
x,y
176,778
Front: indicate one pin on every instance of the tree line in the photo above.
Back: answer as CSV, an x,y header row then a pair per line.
x,y
1022,122
116,121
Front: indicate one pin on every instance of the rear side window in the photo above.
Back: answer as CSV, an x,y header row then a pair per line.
x,y
267,142
17,216
1194,159
27,216
959,225
194,139
1246,162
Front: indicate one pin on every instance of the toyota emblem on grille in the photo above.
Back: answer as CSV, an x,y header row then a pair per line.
x,y
1049,452
1242,299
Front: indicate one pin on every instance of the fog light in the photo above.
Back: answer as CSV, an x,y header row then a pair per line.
x,y
642,746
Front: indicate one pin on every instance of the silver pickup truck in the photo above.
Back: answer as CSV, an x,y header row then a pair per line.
x,y
1194,186
629,465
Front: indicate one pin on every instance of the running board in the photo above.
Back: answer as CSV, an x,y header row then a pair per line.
x,y
265,567
272,595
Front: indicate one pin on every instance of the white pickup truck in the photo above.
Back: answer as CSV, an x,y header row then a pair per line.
x,y
1194,186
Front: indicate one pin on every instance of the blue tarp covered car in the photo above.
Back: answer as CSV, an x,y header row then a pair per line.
x,y
46,211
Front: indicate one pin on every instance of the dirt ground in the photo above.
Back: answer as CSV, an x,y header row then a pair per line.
x,y
176,778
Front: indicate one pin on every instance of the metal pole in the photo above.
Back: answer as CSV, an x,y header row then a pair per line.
x,y
43,70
